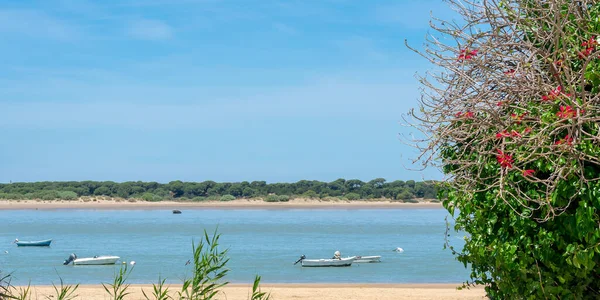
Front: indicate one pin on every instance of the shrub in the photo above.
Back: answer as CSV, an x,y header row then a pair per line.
x,y
227,198
49,195
405,195
150,197
67,195
511,117
352,196
272,198
310,194
199,199
283,198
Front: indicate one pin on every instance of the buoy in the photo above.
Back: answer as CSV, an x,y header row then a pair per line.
x,y
400,250
132,263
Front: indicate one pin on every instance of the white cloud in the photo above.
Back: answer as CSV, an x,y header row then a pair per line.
x,y
146,29
36,24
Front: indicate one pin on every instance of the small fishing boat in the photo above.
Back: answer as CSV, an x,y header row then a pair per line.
x,y
368,259
96,260
176,211
326,262
43,243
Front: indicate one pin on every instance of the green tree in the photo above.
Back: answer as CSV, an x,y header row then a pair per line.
x,y
102,191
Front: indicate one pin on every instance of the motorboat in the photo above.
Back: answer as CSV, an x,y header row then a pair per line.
x,y
96,260
368,259
43,243
326,262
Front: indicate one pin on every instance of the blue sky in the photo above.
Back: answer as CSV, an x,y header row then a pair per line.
x,y
193,90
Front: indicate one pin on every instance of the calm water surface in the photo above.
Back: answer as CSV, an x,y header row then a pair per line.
x,y
264,242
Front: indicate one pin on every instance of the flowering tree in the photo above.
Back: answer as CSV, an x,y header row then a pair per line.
x,y
511,115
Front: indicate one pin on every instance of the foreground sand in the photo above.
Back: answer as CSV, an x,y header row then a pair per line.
x,y
235,204
301,291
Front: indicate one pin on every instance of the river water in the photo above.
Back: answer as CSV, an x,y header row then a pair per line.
x,y
260,241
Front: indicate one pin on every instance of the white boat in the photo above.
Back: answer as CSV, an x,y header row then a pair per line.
x,y
97,260
326,262
368,259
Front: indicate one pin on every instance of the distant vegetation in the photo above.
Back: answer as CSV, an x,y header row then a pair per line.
x,y
226,191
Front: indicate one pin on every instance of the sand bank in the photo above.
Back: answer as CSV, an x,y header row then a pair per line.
x,y
235,204
301,291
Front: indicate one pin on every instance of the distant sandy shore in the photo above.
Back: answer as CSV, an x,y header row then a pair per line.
x,y
300,291
235,204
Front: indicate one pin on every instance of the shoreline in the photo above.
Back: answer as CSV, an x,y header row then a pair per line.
x,y
234,204
290,291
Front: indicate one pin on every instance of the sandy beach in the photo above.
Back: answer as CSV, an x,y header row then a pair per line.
x,y
235,204
300,291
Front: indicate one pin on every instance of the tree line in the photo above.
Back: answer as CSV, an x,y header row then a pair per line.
x,y
353,189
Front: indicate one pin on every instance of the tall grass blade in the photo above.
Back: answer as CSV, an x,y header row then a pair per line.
x,y
118,288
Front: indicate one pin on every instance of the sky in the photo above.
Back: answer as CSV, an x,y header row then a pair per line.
x,y
223,90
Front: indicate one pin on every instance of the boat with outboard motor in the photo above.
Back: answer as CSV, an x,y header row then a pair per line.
x,y
96,260
326,262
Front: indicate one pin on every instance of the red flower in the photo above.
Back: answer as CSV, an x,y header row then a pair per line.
x,y
590,43
585,53
466,54
590,46
510,72
554,94
518,118
567,140
504,160
499,103
505,133
468,114
527,130
502,134
514,133
566,112
528,172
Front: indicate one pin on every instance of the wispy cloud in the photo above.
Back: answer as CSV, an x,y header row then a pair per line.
x,y
146,29
36,24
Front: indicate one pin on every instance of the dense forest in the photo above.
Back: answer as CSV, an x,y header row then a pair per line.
x,y
353,189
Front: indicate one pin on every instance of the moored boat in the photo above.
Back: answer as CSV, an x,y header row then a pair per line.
x,y
326,262
42,243
367,259
96,260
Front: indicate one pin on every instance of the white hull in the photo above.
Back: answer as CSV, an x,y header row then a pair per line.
x,y
367,259
344,262
100,260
